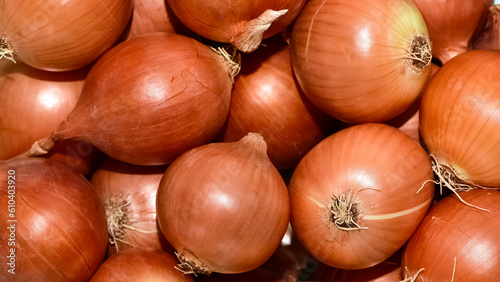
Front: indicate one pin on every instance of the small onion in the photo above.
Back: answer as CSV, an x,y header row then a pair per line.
x,y
490,36
59,232
140,265
128,193
361,61
455,242
359,194
223,207
60,35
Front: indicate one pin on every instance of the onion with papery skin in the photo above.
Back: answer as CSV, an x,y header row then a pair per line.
x,y
60,35
128,193
455,242
59,232
453,24
78,155
140,265
460,120
242,23
489,38
361,61
359,194
266,99
223,207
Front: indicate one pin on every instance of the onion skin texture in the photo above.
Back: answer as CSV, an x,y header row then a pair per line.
x,y
224,206
382,169
140,265
489,38
352,60
175,97
62,35
460,116
267,99
78,155
453,25
60,233
119,183
453,230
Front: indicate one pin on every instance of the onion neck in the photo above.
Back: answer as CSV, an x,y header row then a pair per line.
x,y
255,140
6,50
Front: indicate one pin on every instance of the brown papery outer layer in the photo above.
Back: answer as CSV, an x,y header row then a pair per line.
x,y
151,98
490,36
452,231
460,116
384,161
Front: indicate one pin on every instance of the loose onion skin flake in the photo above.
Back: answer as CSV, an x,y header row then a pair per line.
x,y
60,35
361,61
60,232
354,199
460,120
223,207
455,242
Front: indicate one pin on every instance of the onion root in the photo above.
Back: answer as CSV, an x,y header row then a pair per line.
x,y
418,53
190,267
233,61
412,278
5,50
343,211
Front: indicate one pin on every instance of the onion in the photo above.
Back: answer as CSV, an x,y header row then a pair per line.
x,y
174,98
78,155
140,265
266,99
57,225
459,120
129,196
455,242
371,68
453,25
489,38
236,213
60,35
242,23
359,194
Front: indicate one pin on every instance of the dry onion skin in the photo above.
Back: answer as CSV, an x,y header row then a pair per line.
x,y
354,199
489,38
361,61
242,23
455,242
223,207
60,35
60,228
460,120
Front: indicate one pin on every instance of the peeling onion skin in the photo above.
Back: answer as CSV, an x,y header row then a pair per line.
x,y
453,230
460,116
224,206
352,60
389,166
140,265
61,232
151,98
62,35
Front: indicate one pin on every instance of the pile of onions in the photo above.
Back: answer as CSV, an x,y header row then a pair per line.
x,y
242,23
455,242
140,265
57,222
459,120
149,99
362,61
223,207
490,36
266,99
359,194
128,193
60,35
453,25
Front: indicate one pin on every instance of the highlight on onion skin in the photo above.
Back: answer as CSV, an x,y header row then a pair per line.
x,y
371,68
359,194
456,242
223,207
60,232
489,38
61,35
459,120
140,265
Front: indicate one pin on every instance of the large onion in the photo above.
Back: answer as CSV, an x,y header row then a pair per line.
x,y
223,206
60,35
57,226
354,199
361,61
